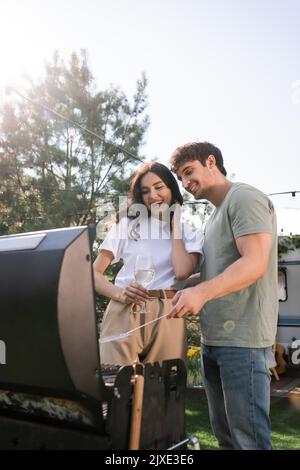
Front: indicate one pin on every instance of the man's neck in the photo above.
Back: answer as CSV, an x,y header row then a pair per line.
x,y
216,194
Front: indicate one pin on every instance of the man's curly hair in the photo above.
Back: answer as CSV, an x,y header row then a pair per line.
x,y
197,151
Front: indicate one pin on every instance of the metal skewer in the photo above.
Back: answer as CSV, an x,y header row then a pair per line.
x,y
120,336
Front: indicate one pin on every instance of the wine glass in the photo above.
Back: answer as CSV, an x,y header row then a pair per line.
x,y
144,272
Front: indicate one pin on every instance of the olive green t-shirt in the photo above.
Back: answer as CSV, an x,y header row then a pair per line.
x,y
247,318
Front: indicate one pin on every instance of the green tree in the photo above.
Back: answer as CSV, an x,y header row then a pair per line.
x,y
54,173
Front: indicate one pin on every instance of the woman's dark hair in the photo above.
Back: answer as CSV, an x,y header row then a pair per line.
x,y
163,173
136,195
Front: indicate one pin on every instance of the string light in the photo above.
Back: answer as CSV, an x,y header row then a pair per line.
x,y
293,193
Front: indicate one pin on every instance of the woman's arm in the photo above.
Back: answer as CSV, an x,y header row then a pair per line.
x,y
102,285
131,294
184,263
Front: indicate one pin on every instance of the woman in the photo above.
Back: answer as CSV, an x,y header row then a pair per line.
x,y
152,229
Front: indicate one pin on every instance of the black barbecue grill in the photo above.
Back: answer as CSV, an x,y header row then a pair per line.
x,y
53,392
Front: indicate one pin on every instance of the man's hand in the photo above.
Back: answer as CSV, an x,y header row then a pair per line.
x,y
187,302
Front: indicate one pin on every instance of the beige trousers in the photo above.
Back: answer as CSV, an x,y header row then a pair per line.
x,y
164,339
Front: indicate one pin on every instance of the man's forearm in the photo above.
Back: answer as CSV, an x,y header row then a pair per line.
x,y
241,274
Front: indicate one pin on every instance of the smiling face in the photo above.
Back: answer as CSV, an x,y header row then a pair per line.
x,y
157,196
196,178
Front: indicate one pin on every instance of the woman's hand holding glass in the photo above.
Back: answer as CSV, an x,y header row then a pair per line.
x,y
134,294
144,273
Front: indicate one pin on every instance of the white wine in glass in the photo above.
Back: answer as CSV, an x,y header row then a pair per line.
x,y
144,272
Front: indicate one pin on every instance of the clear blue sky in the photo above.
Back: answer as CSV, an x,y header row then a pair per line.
x,y
227,71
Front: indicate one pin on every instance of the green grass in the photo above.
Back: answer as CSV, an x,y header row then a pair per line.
x,y
285,420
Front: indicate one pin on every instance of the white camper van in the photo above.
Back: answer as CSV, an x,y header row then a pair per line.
x,y
288,332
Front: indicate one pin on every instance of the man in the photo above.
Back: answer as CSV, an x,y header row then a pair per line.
x,y
237,298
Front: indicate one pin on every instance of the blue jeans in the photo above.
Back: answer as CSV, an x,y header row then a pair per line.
x,y
237,385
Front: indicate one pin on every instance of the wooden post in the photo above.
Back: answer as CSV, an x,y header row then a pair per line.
x,y
136,413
